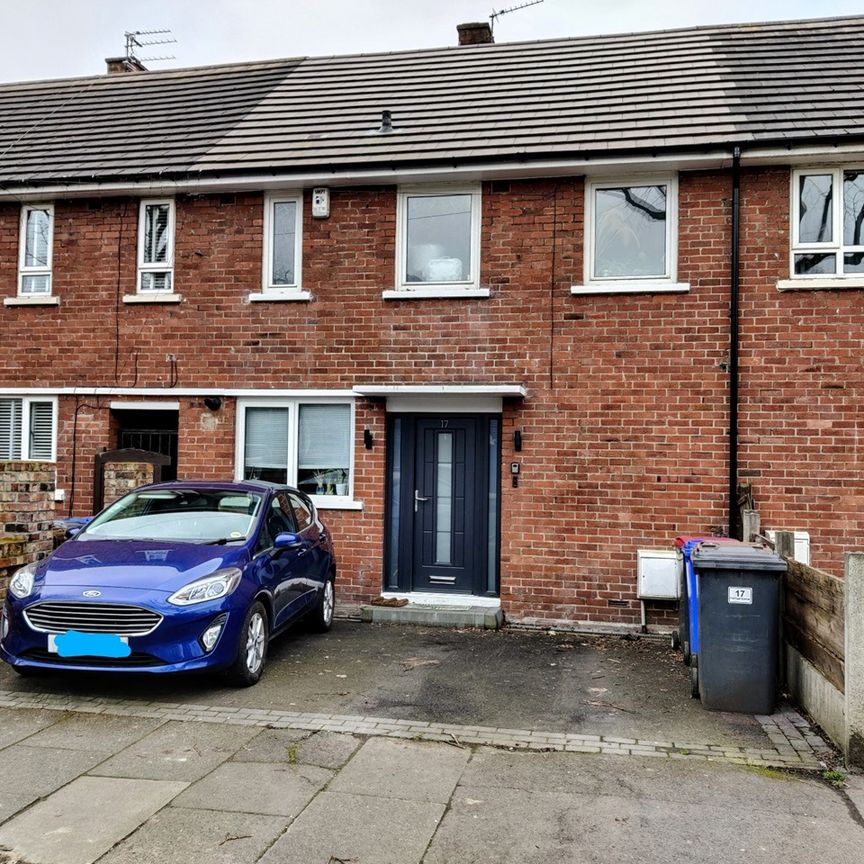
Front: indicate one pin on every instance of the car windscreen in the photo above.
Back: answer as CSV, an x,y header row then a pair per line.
x,y
179,515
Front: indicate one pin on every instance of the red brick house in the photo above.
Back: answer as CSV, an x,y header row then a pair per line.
x,y
394,279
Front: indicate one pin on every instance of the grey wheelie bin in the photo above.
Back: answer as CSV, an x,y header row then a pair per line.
x,y
739,610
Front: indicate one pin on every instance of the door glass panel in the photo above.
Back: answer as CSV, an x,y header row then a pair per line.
x,y
492,568
444,499
395,503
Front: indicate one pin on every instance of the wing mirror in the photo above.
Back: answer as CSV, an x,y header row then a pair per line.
x,y
287,540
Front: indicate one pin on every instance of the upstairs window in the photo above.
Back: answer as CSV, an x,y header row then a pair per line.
x,y
37,240
28,429
828,222
631,231
156,247
438,238
283,219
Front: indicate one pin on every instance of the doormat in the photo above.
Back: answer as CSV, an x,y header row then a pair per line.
x,y
389,601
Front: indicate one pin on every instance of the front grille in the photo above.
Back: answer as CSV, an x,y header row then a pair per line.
x,y
92,618
136,659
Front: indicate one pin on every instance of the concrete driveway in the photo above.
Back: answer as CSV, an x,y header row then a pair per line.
x,y
630,688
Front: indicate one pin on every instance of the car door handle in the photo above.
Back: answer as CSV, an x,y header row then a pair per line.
x,y
417,499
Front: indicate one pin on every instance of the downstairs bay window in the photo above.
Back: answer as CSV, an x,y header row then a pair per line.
x,y
306,444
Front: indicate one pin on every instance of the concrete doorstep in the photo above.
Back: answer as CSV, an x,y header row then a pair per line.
x,y
431,615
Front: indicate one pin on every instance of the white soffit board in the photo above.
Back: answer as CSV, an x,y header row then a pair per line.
x,y
444,398
132,405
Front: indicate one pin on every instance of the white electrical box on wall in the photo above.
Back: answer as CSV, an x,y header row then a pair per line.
x,y
802,545
657,574
320,203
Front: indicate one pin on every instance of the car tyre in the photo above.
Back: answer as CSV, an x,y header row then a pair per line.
x,y
251,649
321,619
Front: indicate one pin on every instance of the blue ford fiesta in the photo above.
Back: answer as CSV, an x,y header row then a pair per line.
x,y
175,577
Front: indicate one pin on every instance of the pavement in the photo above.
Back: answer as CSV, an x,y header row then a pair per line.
x,y
94,769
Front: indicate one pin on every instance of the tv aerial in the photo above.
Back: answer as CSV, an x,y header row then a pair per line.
x,y
140,39
496,15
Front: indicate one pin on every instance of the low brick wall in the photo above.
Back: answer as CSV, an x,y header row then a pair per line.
x,y
123,477
26,515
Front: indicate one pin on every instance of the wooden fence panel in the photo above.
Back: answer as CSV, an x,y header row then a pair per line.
x,y
814,619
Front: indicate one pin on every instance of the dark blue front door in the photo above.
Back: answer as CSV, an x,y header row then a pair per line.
x,y
443,506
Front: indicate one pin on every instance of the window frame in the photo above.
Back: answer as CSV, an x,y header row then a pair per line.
x,y
267,285
629,283
23,270
166,266
837,247
403,193
26,402
293,404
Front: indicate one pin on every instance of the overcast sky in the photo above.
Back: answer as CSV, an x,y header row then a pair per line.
x,y
58,38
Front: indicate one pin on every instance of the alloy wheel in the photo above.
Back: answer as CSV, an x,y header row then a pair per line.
x,y
255,643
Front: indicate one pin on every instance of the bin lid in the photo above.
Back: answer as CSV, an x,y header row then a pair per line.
x,y
737,556
688,540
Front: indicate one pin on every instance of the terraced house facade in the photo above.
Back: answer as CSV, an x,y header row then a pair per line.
x,y
507,312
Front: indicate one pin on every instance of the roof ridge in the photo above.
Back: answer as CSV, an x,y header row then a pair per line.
x,y
275,62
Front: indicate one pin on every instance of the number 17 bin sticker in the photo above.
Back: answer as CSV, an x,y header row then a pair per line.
x,y
741,595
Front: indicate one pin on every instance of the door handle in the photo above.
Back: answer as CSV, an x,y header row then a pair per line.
x,y
417,499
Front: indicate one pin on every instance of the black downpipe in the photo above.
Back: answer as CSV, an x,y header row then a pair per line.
x,y
734,326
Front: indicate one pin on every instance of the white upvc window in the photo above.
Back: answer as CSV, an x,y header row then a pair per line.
x,y
307,443
827,223
28,428
631,235
438,239
35,250
156,247
283,244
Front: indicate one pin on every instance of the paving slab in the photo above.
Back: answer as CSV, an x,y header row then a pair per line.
x,y
357,828
394,768
256,787
178,751
30,773
97,732
674,781
272,745
20,723
83,820
480,828
179,835
327,749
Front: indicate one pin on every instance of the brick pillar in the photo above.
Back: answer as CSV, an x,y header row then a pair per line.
x,y
26,515
123,477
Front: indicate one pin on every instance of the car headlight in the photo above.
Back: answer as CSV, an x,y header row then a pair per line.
x,y
219,584
21,585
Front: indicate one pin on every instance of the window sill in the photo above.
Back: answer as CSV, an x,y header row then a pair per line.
x,y
280,297
836,283
436,293
35,300
332,502
631,288
153,298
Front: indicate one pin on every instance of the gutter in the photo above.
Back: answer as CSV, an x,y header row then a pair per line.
x,y
734,338
521,166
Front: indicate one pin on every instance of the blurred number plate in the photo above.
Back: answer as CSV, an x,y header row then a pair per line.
x,y
741,595
89,645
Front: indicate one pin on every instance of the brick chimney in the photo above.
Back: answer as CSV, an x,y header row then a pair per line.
x,y
476,33
121,65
